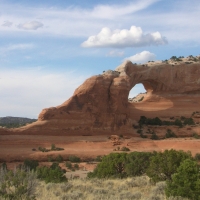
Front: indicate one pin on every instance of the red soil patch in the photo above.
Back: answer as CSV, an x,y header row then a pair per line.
x,y
15,148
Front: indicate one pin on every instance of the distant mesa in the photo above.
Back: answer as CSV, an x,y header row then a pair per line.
x,y
100,105
15,122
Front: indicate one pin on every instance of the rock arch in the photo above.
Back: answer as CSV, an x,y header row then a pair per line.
x,y
100,104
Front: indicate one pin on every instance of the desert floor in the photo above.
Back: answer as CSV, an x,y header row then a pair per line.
x,y
15,148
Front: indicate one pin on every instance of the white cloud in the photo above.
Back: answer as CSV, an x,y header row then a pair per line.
x,y
124,38
142,57
115,53
113,11
33,25
82,22
7,24
27,92
71,21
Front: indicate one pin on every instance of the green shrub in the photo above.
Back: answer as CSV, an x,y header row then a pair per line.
x,y
31,164
59,149
186,182
98,159
50,159
154,137
188,121
68,165
148,121
174,58
196,136
54,174
143,136
139,131
3,166
163,165
74,159
197,156
53,147
142,121
183,118
59,158
157,121
125,149
135,126
112,166
178,122
76,166
43,149
121,165
18,184
170,134
137,163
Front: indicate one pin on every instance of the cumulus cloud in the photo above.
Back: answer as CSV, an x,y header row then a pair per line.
x,y
142,57
33,25
124,38
115,53
7,24
26,92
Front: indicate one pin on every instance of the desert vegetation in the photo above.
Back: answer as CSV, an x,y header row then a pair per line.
x,y
53,148
182,121
145,124
171,167
171,175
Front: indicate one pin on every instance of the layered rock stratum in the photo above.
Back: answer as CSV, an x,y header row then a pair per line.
x,y
100,105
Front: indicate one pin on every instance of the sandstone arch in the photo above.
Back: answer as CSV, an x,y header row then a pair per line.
x,y
100,104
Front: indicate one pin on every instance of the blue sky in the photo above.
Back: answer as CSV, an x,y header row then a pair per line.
x,y
48,48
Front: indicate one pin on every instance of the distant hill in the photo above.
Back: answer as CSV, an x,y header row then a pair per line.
x,y
15,122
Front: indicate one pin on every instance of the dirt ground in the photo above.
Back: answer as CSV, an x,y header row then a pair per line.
x,y
15,148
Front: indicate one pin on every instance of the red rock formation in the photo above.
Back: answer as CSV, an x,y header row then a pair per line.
x,y
100,105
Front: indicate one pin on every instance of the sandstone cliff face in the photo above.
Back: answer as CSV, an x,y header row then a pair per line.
x,y
100,104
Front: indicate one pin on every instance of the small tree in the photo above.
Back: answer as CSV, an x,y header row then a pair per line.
x,y
178,122
143,120
3,166
68,164
163,165
31,164
186,182
54,174
76,166
189,121
53,147
59,158
154,137
137,163
197,156
112,165
18,184
170,134
74,159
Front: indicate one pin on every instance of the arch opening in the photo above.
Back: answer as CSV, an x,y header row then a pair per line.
x,y
137,93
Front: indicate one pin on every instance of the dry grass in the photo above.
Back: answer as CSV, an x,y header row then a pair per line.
x,y
138,188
